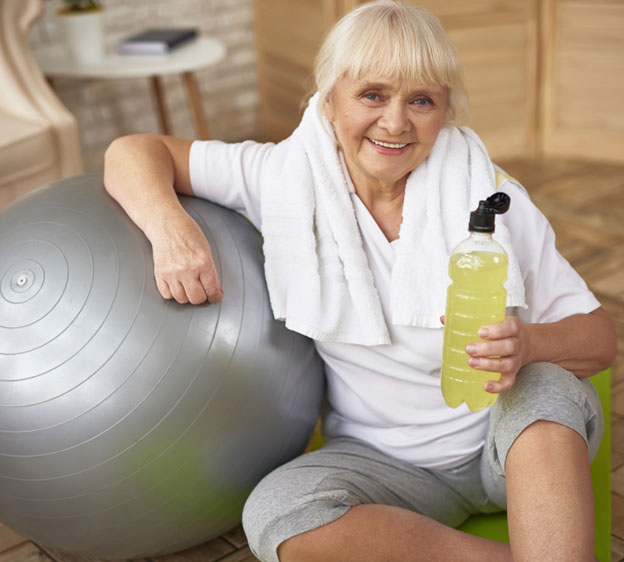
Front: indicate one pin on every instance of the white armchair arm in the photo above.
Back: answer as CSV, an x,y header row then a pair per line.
x,y
46,146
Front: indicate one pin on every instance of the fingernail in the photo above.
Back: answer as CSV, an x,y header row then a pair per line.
x,y
473,361
471,348
484,332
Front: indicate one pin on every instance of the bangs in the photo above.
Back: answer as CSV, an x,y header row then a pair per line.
x,y
396,52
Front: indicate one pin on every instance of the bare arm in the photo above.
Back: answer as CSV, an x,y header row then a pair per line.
x,y
584,344
144,173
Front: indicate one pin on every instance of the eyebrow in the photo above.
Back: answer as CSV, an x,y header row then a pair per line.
x,y
386,85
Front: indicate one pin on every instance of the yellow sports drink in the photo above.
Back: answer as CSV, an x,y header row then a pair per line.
x,y
476,297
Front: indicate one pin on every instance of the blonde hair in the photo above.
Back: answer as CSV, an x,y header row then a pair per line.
x,y
390,39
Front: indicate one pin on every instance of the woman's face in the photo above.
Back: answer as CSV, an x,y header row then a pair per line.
x,y
385,128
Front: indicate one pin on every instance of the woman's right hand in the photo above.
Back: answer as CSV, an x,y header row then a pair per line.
x,y
183,263
143,173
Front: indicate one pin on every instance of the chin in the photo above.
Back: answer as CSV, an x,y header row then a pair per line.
x,y
388,177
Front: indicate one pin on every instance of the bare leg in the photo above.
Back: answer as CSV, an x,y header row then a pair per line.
x,y
380,533
550,503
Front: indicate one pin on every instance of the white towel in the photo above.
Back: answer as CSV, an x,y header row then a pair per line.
x,y
317,271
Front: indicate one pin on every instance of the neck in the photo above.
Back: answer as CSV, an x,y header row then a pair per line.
x,y
385,204
381,196
384,201
374,193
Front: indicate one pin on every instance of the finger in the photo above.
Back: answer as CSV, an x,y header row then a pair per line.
x,y
215,296
178,292
195,291
493,365
212,287
504,384
442,319
163,288
498,330
496,348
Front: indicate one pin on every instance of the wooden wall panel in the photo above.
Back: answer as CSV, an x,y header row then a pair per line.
x,y
444,8
583,79
288,35
501,86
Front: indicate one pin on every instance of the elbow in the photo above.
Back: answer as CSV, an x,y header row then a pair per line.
x,y
117,147
118,158
607,358
611,352
608,339
114,162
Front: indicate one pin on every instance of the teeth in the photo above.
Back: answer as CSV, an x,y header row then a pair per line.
x,y
388,144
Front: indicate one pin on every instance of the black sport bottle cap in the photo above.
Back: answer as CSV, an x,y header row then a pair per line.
x,y
482,218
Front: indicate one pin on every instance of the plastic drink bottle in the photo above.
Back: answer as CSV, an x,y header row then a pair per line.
x,y
476,297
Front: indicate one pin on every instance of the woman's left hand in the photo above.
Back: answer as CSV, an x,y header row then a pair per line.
x,y
505,350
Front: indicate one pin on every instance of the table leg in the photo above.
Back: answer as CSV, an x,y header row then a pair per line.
x,y
194,98
159,94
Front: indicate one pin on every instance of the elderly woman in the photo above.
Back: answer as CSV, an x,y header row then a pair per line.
x,y
359,209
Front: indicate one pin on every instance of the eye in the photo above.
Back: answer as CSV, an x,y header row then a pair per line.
x,y
423,101
371,96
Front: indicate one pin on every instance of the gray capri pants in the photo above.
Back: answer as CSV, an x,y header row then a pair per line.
x,y
319,487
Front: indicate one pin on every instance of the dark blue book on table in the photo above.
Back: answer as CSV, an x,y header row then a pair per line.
x,y
157,41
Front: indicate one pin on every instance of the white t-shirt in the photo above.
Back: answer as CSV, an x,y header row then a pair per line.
x,y
389,395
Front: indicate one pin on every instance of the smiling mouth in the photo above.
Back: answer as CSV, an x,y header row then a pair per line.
x,y
387,144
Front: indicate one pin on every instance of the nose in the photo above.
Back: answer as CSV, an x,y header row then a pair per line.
x,y
395,119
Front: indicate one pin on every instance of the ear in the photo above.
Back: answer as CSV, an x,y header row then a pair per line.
x,y
329,108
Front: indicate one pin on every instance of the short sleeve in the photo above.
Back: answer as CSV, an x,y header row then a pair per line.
x,y
232,174
554,290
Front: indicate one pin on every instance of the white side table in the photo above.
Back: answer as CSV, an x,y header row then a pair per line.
x,y
184,60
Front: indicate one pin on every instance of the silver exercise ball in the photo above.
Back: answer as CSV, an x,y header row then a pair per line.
x,y
130,425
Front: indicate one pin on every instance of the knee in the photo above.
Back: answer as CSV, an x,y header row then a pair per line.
x,y
544,392
257,513
545,433
542,384
291,500
546,374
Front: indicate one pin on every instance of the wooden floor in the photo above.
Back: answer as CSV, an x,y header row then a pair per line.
x,y
585,204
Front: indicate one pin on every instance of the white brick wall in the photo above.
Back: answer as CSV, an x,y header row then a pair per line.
x,y
106,109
